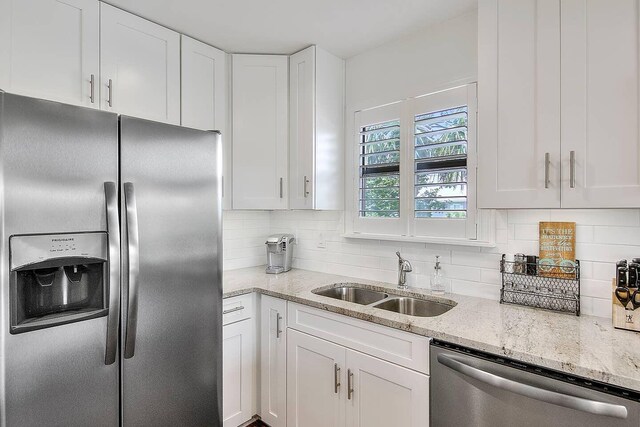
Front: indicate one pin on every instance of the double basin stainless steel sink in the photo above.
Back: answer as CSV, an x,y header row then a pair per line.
x,y
385,300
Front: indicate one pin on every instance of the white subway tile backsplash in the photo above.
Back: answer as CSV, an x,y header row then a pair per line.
x,y
603,236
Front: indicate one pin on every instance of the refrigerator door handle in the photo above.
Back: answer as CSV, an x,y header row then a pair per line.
x,y
113,232
574,402
133,262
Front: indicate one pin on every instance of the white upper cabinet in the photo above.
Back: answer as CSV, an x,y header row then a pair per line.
x,y
204,85
559,103
204,100
140,67
50,49
316,130
519,104
600,103
260,131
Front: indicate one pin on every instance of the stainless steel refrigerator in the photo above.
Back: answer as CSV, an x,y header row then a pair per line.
x,y
110,269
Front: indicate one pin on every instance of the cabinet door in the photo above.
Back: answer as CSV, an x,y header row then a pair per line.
x,y
519,104
50,49
237,372
600,103
260,131
139,67
302,130
384,394
204,79
273,361
315,381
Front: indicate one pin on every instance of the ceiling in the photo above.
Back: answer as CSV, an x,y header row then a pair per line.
x,y
343,27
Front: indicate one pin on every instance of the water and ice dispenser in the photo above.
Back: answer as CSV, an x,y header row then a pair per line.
x,y
57,279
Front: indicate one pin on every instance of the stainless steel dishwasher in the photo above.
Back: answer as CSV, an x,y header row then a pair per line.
x,y
472,388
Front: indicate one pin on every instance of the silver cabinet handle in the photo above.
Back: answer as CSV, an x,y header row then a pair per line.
x,y
113,233
92,82
349,384
278,328
547,161
336,378
572,169
543,395
305,190
133,260
281,188
110,93
234,309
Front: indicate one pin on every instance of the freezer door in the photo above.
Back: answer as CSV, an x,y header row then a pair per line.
x,y
171,320
55,160
470,391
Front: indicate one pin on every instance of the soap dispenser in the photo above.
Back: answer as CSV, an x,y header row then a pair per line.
x,y
438,283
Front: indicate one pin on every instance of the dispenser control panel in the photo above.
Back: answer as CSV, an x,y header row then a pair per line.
x,y
28,249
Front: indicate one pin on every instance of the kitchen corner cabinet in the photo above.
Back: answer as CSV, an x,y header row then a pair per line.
x,y
260,131
140,67
559,126
204,99
50,49
331,385
238,360
519,104
273,361
316,130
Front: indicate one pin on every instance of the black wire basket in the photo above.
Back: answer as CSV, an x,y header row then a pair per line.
x,y
551,287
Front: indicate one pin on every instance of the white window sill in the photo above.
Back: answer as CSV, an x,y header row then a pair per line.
x,y
436,240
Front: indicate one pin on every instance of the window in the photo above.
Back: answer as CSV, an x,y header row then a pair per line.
x,y
416,167
380,170
441,163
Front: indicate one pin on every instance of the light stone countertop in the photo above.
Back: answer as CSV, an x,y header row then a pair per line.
x,y
584,346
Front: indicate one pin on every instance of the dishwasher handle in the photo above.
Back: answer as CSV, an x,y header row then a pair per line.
x,y
573,402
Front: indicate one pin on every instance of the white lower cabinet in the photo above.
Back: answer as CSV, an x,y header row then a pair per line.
x,y
319,369
273,361
316,385
331,385
238,360
384,394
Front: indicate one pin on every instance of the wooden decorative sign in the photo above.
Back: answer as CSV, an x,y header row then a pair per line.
x,y
557,253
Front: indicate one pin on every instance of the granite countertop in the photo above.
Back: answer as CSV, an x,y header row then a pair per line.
x,y
584,346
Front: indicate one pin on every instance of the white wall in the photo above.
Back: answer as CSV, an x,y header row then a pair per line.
x,y
603,237
244,234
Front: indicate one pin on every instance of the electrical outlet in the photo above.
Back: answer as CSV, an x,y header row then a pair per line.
x,y
322,244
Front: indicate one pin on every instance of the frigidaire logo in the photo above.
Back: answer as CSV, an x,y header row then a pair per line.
x,y
67,239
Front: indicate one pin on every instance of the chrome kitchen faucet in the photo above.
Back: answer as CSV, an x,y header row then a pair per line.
x,y
404,267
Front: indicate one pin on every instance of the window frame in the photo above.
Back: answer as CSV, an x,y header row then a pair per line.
x,y
406,226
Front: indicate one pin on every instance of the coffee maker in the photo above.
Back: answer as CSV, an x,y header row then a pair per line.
x,y
279,253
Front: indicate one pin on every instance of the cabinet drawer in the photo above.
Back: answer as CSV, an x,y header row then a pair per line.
x,y
399,347
235,309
